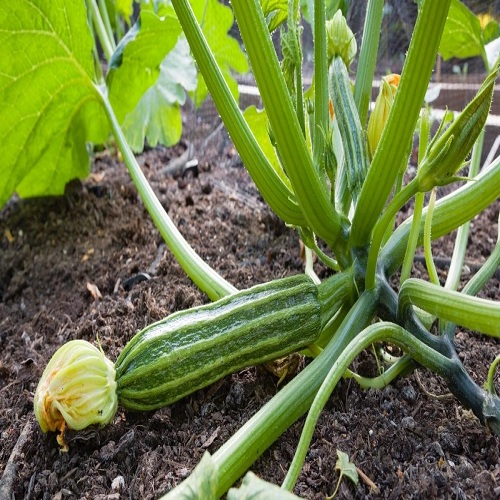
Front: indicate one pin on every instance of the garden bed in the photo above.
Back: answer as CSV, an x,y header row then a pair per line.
x,y
91,265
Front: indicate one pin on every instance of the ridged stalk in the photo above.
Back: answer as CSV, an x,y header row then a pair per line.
x,y
368,57
312,194
274,191
471,312
398,132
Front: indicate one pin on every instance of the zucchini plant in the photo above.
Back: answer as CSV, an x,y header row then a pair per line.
x,y
335,176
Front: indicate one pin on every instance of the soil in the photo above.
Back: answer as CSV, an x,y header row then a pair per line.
x,y
71,267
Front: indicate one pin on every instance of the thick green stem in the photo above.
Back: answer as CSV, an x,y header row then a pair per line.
x,y
398,132
206,278
368,57
274,191
471,312
312,194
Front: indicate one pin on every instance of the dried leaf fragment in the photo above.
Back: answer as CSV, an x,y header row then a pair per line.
x,y
94,291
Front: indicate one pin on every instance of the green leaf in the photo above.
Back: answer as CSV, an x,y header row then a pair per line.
x,y
345,467
254,488
216,20
135,65
462,33
200,485
275,12
259,125
49,105
157,117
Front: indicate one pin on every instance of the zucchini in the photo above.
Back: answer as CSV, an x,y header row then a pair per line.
x,y
192,349
355,167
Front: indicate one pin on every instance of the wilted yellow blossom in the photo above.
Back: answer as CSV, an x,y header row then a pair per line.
x,y
380,114
77,389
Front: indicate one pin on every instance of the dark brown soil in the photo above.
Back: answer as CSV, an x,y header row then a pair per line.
x,y
409,443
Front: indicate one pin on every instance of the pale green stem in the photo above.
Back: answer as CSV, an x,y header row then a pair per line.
x,y
471,312
388,332
309,266
419,200
107,24
368,57
450,212
402,365
206,278
102,34
413,237
458,256
429,260
488,269
327,260
378,234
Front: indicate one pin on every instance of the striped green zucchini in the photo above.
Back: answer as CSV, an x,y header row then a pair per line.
x,y
192,349
352,174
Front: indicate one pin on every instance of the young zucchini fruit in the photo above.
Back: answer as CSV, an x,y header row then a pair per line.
x,y
182,353
192,349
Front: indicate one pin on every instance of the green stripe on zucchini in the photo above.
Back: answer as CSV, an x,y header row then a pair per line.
x,y
192,349
355,167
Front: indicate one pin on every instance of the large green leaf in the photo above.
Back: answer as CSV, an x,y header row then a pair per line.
x,y
135,65
157,117
216,20
462,33
49,106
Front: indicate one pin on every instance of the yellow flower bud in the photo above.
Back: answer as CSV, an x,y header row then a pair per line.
x,y
77,389
380,114
340,40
